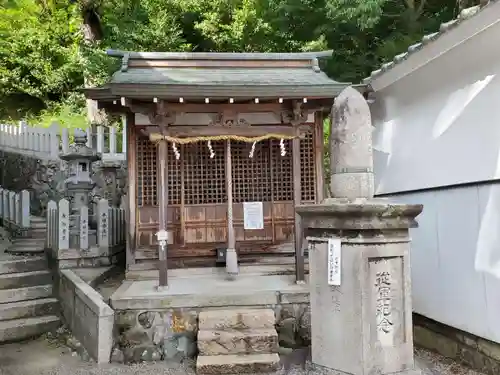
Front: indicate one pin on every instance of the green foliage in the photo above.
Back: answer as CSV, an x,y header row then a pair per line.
x,y
45,59
38,53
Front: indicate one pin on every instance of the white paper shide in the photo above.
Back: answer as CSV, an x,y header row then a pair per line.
x,y
334,261
253,215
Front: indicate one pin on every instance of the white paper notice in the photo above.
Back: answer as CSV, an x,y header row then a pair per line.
x,y
253,215
334,261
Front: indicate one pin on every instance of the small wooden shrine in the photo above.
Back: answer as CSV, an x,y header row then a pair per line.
x,y
220,148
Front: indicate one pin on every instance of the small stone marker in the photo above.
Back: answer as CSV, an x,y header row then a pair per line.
x,y
63,224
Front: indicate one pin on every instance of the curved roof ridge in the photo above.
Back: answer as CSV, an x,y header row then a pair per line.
x,y
220,55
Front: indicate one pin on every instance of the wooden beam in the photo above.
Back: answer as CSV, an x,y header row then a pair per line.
x,y
297,198
224,107
132,192
162,185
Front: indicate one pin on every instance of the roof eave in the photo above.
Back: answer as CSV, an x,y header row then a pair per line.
x,y
140,91
471,22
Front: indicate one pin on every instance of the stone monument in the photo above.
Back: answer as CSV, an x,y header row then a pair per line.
x,y
360,290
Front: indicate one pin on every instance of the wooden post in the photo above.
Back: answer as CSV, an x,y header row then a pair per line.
x,y
319,156
231,255
163,211
132,192
299,253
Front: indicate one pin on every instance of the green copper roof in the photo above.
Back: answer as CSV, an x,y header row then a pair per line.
x,y
206,78
223,83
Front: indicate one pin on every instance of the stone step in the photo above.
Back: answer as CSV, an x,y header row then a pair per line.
x,y
37,219
29,241
237,364
31,246
28,309
29,264
252,341
25,294
236,319
21,329
38,228
24,279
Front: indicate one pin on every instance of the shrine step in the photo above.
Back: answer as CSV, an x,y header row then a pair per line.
x,y
239,341
25,279
253,341
25,294
236,319
27,246
21,329
28,309
27,264
237,364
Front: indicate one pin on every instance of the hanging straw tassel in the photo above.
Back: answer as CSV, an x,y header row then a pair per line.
x,y
252,150
176,151
282,147
210,149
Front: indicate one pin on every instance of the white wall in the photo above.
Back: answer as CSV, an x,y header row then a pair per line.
x,y
437,127
455,258
441,125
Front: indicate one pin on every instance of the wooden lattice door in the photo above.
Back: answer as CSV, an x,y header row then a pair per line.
x,y
197,196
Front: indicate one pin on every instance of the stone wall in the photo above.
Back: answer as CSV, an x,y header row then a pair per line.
x,y
90,320
472,351
45,180
170,334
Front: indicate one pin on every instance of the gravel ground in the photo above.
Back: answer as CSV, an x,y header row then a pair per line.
x,y
42,357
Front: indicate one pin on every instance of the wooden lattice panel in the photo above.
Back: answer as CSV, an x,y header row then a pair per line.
x,y
204,177
281,171
146,173
307,169
251,176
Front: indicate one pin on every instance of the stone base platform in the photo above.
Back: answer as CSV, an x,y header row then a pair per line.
x,y
153,324
191,290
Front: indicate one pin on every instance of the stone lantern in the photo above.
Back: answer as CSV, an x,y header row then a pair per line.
x,y
79,183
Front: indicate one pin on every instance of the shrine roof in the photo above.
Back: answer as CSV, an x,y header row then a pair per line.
x,y
445,29
218,75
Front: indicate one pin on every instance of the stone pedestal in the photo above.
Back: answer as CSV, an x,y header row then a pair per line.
x,y
364,325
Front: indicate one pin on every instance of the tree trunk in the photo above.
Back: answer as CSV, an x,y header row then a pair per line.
x,y
92,34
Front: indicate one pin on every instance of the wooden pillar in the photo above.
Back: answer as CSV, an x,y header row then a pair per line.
x,y
231,255
319,156
162,234
131,212
297,194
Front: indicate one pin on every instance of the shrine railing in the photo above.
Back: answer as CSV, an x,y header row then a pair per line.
x,y
47,143
105,229
15,209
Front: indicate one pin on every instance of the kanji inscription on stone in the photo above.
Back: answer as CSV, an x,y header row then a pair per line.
x,y
383,306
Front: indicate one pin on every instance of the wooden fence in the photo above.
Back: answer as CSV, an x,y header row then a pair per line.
x,y
47,143
65,231
15,209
